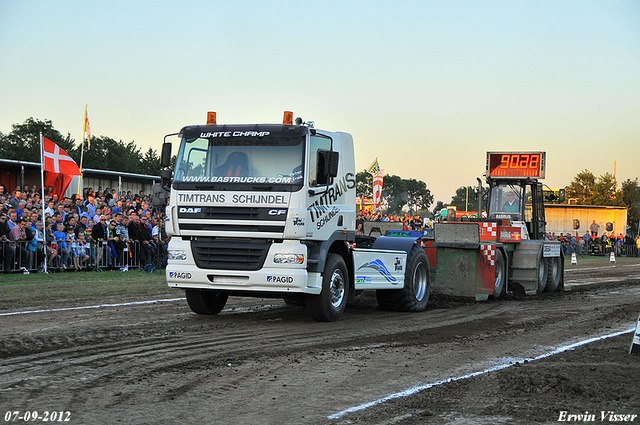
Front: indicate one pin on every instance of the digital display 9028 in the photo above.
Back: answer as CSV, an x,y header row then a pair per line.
x,y
516,164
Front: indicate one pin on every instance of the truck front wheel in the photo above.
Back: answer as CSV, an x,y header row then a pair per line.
x,y
329,305
415,294
554,275
202,301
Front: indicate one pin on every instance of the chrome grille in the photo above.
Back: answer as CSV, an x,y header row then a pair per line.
x,y
229,254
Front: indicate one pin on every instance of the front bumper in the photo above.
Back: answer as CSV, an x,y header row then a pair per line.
x,y
275,278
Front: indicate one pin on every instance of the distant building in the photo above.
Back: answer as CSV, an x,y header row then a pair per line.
x,y
20,173
560,218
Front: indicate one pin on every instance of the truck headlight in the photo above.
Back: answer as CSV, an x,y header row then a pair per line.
x,y
285,258
177,254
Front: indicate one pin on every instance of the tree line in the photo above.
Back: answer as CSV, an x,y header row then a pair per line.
x,y
398,195
105,153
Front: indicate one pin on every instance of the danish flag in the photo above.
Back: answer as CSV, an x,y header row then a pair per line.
x,y
56,160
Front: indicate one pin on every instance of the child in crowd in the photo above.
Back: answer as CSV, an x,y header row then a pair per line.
x,y
61,241
80,253
70,239
52,246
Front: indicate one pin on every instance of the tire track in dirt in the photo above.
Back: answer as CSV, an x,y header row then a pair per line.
x,y
87,364
131,358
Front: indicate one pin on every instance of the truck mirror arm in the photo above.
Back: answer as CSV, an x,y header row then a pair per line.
x,y
165,161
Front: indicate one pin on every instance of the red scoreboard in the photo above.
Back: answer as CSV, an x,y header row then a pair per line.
x,y
516,165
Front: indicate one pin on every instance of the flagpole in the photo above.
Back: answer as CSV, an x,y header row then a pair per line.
x,y
44,217
84,129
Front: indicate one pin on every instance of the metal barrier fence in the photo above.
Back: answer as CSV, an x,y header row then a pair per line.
x,y
604,249
134,255
94,256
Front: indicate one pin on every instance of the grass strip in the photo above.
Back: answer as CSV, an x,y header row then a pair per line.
x,y
35,290
55,290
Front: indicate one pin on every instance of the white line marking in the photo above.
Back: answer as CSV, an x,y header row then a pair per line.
x,y
512,362
92,306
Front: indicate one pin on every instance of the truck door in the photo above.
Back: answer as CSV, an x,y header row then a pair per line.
x,y
319,149
534,211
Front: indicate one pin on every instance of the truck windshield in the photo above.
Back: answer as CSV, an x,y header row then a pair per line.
x,y
224,161
505,201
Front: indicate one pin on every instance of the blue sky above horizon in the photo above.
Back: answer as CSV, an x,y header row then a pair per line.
x,y
426,87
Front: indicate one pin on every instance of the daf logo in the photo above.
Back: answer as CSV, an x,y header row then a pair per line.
x,y
184,210
277,212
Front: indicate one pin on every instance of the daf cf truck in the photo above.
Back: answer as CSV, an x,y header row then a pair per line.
x,y
268,210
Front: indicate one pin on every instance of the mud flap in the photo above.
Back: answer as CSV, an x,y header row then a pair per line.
x,y
468,273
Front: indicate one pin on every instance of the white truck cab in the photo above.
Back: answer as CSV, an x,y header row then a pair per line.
x,y
269,210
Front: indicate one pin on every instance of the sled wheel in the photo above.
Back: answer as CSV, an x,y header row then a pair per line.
x,y
542,275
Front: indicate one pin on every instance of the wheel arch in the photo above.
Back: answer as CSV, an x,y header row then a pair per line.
x,y
318,251
394,243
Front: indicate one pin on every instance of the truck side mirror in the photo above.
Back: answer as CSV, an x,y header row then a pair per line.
x,y
165,158
560,195
159,199
332,164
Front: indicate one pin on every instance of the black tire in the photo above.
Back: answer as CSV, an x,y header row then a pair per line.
x,y
542,275
294,300
202,301
329,305
554,274
500,275
415,294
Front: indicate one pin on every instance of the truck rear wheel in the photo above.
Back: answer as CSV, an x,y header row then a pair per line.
x,y
415,294
554,274
329,305
500,277
542,275
203,301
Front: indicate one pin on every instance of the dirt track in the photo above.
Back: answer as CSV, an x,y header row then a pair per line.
x,y
263,362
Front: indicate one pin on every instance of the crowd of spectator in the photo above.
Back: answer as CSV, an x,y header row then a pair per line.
x,y
588,244
592,244
96,230
409,222
109,230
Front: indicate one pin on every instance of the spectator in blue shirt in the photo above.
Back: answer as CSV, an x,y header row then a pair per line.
x,y
61,241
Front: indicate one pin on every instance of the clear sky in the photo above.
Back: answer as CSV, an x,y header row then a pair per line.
x,y
426,86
